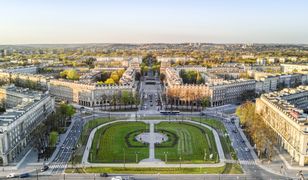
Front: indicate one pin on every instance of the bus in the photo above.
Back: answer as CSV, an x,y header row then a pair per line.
x,y
169,112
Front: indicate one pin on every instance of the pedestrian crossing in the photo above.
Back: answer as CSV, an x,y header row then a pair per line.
x,y
243,162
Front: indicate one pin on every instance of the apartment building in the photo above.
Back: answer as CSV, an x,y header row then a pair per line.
x,y
285,112
230,92
301,68
25,110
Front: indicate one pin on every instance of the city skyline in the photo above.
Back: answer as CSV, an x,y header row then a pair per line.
x,y
57,22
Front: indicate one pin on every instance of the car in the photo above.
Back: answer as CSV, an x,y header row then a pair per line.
x,y
44,168
128,178
103,175
246,149
234,130
243,141
11,175
117,178
24,175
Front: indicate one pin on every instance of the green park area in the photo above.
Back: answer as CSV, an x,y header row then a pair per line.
x,y
116,143
187,143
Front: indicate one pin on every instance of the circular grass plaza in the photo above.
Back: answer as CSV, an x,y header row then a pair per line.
x,y
121,142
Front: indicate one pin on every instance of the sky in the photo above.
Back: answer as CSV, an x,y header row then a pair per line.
x,y
153,21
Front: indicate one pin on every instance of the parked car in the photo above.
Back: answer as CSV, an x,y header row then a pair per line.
x,y
246,149
44,168
103,175
117,178
24,175
12,175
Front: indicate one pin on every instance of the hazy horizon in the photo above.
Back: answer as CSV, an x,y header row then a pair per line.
x,y
143,22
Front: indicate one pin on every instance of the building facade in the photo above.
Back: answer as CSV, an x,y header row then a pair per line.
x,y
25,111
283,112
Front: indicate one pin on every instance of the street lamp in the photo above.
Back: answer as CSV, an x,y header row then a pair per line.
x,y
180,162
166,156
136,156
124,157
204,155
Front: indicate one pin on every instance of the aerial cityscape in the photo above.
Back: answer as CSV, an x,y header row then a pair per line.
x,y
146,90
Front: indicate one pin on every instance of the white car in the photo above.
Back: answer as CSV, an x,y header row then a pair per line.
x,y
246,149
12,175
117,178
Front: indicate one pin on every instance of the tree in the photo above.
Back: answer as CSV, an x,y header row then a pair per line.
x,y
162,77
53,138
260,133
104,76
115,76
125,98
67,110
90,62
205,102
109,81
72,75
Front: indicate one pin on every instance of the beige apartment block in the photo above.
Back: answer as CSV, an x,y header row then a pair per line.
x,y
284,112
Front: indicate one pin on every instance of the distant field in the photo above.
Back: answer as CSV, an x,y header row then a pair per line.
x,y
115,143
188,141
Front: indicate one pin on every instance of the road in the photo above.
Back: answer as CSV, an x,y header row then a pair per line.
x,y
149,177
151,91
243,151
66,150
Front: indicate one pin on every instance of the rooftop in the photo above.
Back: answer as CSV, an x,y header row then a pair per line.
x,y
289,102
29,99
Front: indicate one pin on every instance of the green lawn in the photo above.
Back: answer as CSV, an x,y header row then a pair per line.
x,y
89,126
122,170
225,140
193,142
115,143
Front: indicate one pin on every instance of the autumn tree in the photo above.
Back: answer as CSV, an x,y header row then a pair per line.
x,y
256,128
109,81
70,74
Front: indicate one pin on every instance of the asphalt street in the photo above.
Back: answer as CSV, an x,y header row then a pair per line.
x,y
66,150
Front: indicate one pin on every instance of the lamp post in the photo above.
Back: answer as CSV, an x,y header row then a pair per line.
x,y
136,156
204,158
166,157
124,157
180,162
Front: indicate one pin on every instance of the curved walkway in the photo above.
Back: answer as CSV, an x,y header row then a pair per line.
x,y
161,164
